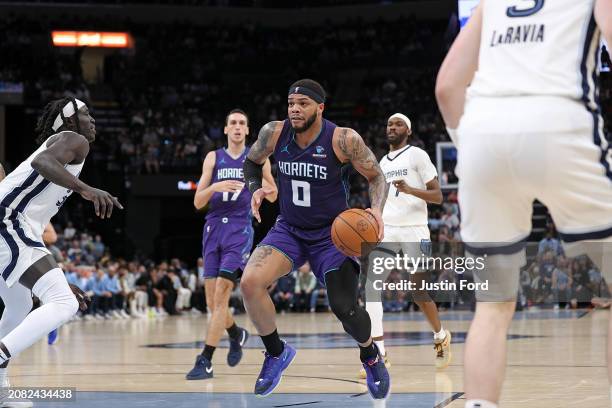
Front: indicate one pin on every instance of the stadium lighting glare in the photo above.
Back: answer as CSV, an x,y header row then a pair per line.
x,y
91,39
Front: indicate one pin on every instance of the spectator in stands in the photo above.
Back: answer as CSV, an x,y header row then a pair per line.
x,y
69,231
549,243
183,294
117,299
102,298
165,285
282,294
561,283
581,295
318,291
304,285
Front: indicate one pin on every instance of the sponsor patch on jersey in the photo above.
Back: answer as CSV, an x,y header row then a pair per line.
x,y
320,152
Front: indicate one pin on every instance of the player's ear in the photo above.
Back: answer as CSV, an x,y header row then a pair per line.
x,y
247,130
70,122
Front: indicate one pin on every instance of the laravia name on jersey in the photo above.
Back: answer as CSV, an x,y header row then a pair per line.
x,y
229,173
300,169
532,33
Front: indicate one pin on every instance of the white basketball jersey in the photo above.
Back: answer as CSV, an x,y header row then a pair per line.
x,y
413,165
33,197
538,47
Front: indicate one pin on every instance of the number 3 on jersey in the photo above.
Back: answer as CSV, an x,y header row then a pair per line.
x,y
301,193
514,11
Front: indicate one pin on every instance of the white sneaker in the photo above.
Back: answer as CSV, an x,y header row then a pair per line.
x,y
88,317
124,314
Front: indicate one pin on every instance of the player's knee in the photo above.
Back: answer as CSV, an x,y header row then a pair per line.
x,y
222,294
250,285
343,310
496,315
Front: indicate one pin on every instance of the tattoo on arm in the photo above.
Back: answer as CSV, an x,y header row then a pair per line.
x,y
364,161
261,150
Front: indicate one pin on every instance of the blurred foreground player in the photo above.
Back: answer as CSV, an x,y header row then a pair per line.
x,y
313,157
518,92
227,237
414,183
29,197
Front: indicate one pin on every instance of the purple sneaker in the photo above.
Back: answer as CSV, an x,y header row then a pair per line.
x,y
272,371
377,377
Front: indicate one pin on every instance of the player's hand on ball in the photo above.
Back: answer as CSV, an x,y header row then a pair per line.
x,y
378,217
229,186
257,199
103,201
402,186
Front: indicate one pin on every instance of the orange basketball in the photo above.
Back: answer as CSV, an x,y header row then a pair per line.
x,y
352,228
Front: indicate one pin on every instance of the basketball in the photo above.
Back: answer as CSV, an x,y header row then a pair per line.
x,y
352,228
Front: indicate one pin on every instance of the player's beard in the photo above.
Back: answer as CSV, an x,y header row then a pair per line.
x,y
398,140
307,124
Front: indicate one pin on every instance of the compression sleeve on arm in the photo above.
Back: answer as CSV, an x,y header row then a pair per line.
x,y
253,173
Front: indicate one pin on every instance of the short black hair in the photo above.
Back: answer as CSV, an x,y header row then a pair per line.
x,y
312,84
44,127
236,110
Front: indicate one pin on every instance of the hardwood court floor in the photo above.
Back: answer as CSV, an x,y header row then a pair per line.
x,y
556,359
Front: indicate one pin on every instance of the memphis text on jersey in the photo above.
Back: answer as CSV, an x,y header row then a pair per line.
x,y
519,34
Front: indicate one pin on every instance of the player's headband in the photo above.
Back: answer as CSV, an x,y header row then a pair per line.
x,y
402,117
68,111
314,95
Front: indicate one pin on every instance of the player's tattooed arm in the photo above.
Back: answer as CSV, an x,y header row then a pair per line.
x,y
266,140
349,146
353,149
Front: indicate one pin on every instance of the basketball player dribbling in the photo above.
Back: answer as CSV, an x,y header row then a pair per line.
x,y
227,237
414,183
29,196
313,157
518,92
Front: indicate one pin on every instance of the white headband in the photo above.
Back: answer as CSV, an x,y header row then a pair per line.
x,y
402,117
68,111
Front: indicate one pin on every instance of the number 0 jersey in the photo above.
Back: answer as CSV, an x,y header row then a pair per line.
x,y
312,183
538,47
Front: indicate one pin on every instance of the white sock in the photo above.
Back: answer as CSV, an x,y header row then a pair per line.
x,y
381,346
475,403
441,335
58,306
375,310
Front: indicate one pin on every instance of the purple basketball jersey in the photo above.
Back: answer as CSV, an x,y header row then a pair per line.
x,y
312,182
234,206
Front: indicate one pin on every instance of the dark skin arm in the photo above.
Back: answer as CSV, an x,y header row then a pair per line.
x,y
349,147
433,194
72,148
259,153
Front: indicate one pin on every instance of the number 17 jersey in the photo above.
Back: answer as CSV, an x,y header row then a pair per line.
x,y
234,206
312,183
